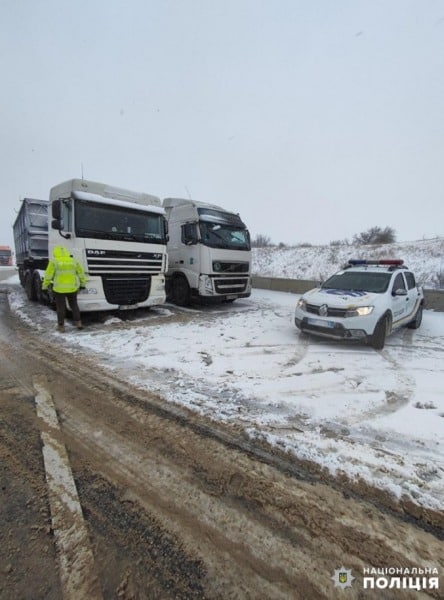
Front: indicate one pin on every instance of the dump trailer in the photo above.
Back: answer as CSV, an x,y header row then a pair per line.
x,y
31,245
209,253
119,236
6,256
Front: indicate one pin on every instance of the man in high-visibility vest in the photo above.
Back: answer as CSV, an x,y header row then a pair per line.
x,y
66,276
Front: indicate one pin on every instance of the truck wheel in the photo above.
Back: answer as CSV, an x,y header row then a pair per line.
x,y
168,290
181,291
416,323
21,277
380,333
39,293
29,287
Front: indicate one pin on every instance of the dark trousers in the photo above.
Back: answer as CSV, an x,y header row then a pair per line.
x,y
60,301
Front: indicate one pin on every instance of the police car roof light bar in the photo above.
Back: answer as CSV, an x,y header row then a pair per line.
x,y
391,261
384,261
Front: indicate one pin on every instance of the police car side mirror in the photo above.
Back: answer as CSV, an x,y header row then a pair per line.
x,y
400,292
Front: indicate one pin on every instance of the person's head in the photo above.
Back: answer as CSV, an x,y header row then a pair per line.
x,y
60,252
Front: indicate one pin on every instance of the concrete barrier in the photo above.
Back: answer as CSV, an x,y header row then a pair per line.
x,y
280,284
434,299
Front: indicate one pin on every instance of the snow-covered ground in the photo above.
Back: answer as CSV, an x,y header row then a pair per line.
x,y
374,415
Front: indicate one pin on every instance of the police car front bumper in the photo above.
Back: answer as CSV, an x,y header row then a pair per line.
x,y
329,328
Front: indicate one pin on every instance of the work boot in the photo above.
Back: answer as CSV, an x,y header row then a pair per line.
x,y
61,328
78,324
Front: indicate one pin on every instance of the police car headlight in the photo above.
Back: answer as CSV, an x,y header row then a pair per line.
x,y
360,311
302,304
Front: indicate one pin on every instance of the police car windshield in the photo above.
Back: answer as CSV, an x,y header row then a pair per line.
x,y
362,281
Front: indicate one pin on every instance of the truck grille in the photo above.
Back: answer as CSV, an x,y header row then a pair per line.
x,y
231,267
126,290
228,285
109,262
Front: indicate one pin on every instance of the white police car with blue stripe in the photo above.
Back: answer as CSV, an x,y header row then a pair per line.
x,y
366,301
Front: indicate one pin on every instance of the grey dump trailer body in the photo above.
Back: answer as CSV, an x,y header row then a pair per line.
x,y
31,241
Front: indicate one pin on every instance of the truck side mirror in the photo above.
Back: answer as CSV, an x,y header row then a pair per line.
x,y
57,224
56,211
189,234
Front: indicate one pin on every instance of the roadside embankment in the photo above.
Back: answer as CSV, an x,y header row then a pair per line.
x,y
434,299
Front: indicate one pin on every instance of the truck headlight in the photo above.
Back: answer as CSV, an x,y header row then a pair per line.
x,y
209,284
359,311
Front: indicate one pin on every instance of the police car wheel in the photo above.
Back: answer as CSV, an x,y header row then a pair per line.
x,y
416,323
380,333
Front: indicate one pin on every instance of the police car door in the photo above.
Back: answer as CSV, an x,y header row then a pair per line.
x,y
399,299
413,296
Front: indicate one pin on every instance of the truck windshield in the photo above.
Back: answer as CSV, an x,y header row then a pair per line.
x,y
5,257
217,235
220,229
363,281
95,220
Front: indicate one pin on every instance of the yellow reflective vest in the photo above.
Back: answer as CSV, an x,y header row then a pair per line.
x,y
64,272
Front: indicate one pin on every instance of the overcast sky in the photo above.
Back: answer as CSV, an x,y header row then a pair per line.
x,y
314,119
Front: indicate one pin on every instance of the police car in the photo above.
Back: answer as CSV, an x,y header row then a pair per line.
x,y
366,301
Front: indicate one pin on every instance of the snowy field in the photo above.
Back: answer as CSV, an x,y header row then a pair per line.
x,y
378,415
424,257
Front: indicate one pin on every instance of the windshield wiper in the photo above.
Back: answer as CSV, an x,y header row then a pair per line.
x,y
96,233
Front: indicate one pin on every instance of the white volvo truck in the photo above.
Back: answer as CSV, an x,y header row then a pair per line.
x,y
119,236
209,253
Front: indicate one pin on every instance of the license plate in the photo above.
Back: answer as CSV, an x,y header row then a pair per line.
x,y
321,323
232,297
127,306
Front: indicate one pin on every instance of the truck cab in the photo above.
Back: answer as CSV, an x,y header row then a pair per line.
x,y
6,256
209,253
119,236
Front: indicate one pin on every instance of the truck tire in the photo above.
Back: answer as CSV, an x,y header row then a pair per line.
x,y
181,291
29,287
380,333
416,323
40,295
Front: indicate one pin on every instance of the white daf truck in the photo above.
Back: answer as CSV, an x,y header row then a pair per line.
x,y
209,253
118,235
